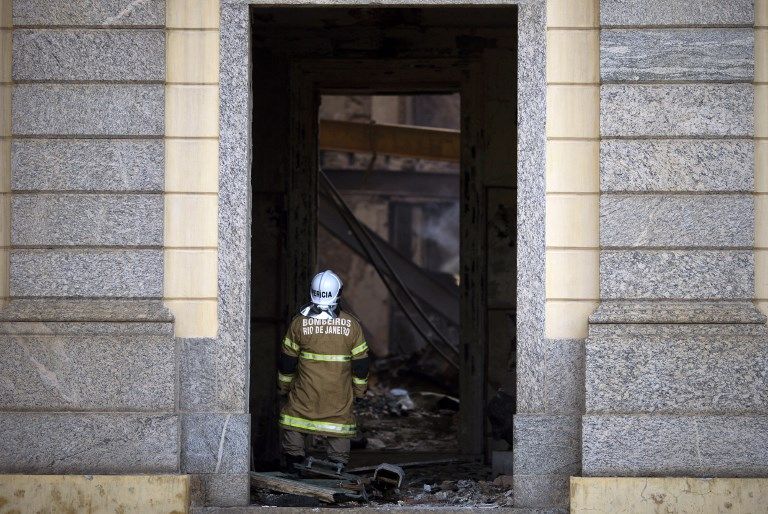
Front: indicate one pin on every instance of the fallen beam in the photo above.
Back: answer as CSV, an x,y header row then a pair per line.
x,y
410,184
280,484
404,140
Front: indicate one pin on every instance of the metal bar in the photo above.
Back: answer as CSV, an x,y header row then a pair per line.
x,y
418,464
443,186
404,140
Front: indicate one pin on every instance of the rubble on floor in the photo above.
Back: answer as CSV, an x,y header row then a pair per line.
x,y
412,424
463,485
449,485
399,420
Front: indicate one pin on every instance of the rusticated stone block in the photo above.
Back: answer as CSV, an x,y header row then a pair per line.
x,y
629,55
84,273
676,165
665,374
675,12
723,313
93,443
87,165
113,13
103,328
85,310
215,443
698,446
677,110
89,109
564,376
546,444
698,332
87,219
212,375
87,373
534,492
89,54
676,220
676,274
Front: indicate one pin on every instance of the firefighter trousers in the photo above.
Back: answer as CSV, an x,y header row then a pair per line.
x,y
293,444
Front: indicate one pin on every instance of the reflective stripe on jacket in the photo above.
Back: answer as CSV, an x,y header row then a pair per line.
x,y
322,388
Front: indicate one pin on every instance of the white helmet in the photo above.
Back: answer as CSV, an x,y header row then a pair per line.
x,y
326,289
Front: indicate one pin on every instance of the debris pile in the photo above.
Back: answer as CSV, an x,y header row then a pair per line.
x,y
453,485
398,420
465,493
415,429
448,485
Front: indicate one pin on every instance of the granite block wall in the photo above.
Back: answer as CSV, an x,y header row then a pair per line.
x,y
75,95
6,88
676,349
761,154
547,447
89,347
110,156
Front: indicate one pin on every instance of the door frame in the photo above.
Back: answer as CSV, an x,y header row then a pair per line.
x,y
309,79
227,356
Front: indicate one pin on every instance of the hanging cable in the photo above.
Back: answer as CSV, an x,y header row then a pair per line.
x,y
356,227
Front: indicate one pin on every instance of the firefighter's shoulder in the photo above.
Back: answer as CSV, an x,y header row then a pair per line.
x,y
353,317
296,320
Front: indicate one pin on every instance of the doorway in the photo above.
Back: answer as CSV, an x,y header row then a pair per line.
x,y
389,220
301,54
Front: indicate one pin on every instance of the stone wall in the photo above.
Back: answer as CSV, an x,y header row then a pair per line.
x,y
548,425
676,352
6,45
761,154
114,166
88,348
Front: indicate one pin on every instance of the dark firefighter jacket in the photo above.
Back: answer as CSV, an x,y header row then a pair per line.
x,y
323,364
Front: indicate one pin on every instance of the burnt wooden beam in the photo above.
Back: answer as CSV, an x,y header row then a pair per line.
x,y
442,186
282,484
404,140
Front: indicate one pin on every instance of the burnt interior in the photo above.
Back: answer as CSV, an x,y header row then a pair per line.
x,y
301,54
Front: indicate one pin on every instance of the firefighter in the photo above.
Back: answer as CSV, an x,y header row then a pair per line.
x,y
323,364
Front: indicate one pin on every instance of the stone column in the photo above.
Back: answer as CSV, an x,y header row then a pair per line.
x,y
677,355
88,374
550,366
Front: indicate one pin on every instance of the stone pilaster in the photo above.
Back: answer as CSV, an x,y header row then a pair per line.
x,y
676,355
89,373
547,426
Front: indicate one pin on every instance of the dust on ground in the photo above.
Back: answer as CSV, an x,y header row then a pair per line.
x,y
399,419
456,485
398,426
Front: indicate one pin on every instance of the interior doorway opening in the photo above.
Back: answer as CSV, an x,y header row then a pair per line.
x,y
301,56
405,195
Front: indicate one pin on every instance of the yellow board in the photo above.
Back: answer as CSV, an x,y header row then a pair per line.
x,y
94,494
640,495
